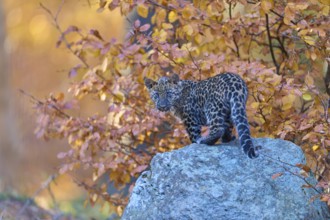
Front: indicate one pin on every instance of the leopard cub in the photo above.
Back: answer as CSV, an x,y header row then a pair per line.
x,y
217,102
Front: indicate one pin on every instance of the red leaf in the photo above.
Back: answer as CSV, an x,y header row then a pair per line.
x,y
139,169
144,27
276,175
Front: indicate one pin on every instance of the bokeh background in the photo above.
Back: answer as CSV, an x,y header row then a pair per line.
x,y
30,61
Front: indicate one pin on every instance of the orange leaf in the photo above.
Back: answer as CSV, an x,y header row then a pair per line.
x,y
276,175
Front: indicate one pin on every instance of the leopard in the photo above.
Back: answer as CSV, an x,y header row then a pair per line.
x,y
218,102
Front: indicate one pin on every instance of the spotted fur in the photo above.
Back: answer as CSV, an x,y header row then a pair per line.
x,y
217,102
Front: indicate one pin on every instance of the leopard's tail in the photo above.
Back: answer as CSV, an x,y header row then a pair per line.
x,y
239,118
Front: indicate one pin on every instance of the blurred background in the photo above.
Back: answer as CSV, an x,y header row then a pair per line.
x,y
30,61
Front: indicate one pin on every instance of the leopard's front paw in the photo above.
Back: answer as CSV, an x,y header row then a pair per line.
x,y
200,140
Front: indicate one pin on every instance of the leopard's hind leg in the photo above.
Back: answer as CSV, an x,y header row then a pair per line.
x,y
217,130
228,134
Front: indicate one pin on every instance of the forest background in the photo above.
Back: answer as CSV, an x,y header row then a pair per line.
x,y
73,75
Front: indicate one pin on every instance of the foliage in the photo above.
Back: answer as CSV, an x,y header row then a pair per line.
x,y
278,47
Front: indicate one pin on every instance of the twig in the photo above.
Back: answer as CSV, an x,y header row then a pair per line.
x,y
303,178
59,29
234,39
195,63
325,103
45,185
170,58
281,16
58,11
34,99
158,5
230,11
265,44
53,197
278,160
96,189
271,46
282,163
280,41
249,48
261,32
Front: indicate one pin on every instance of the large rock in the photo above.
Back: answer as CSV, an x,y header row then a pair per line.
x,y
221,182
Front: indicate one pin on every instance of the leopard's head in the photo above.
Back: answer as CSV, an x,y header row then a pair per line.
x,y
165,92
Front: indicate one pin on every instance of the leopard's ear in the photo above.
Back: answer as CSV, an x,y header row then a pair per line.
x,y
149,83
175,78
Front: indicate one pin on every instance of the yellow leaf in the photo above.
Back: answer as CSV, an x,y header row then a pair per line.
x,y
125,178
188,29
255,105
267,5
288,14
259,120
167,26
198,38
306,96
325,2
119,210
142,10
288,101
172,16
309,40
315,147
187,12
60,96
325,10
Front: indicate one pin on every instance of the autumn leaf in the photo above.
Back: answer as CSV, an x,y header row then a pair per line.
x,y
172,16
142,10
144,27
267,5
276,175
309,40
307,96
188,29
138,169
187,12
315,147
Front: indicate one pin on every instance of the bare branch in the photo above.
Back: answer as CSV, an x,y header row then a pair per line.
x,y
234,39
34,99
44,186
59,29
271,46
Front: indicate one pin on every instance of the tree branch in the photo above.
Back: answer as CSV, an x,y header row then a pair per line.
x,y
271,46
57,26
280,41
234,39
44,186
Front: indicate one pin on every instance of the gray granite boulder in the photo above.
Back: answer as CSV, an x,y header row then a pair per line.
x,y
220,182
